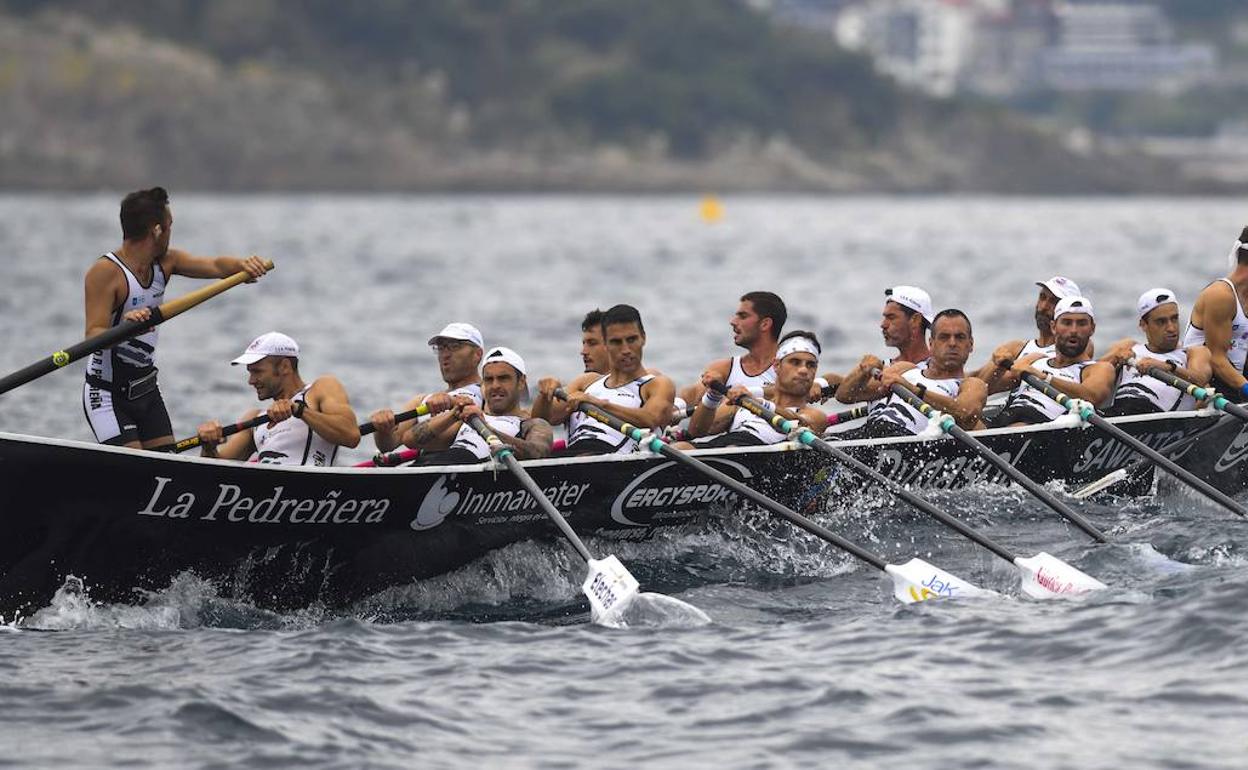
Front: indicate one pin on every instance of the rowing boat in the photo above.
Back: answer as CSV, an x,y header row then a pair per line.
x,y
286,537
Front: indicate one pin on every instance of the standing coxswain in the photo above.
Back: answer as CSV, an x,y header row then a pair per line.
x,y
1070,369
628,391
307,422
459,348
1219,323
121,396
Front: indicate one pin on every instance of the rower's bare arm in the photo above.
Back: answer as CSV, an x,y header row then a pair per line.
x,y
436,433
1199,369
655,413
103,286
1219,307
240,446
329,413
710,422
386,432
996,372
183,263
968,408
859,384
1119,353
717,370
813,418
536,442
1095,388
556,410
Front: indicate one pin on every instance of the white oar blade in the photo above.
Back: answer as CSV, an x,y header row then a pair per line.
x,y
1048,577
917,581
1101,484
610,588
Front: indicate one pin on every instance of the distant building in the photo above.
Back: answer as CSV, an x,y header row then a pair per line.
x,y
925,44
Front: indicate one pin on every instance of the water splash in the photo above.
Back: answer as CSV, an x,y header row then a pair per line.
x,y
652,610
72,608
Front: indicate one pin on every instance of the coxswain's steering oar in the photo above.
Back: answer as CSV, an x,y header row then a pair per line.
x,y
947,424
229,430
609,586
914,581
1043,576
122,331
1087,413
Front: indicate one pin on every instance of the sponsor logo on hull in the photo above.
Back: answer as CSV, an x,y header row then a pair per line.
x,y
451,495
649,494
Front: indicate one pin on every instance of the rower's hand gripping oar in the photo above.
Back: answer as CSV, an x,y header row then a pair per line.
x,y
609,586
947,424
1215,399
229,430
122,331
1043,576
1086,412
914,581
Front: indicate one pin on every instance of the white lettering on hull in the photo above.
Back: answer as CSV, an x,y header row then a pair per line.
x,y
232,506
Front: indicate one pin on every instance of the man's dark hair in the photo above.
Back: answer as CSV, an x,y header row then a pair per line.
x,y
621,314
808,335
1241,256
142,209
593,320
768,305
953,312
910,313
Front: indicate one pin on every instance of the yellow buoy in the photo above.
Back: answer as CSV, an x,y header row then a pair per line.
x,y
710,209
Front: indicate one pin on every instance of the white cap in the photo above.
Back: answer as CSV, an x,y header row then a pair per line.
x,y
460,331
912,297
1073,305
271,344
1154,298
505,356
1061,286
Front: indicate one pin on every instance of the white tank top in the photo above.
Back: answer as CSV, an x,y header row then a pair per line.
x,y
472,391
136,356
1133,385
745,421
292,442
898,412
468,438
581,426
1238,351
737,376
1035,347
1025,395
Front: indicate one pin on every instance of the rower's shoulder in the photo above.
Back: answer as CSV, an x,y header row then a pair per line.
x,y
583,381
720,365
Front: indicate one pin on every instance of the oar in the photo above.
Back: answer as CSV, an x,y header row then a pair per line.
x,y
609,586
1087,413
1216,400
122,331
389,459
948,425
914,581
1139,466
229,430
1043,576
836,418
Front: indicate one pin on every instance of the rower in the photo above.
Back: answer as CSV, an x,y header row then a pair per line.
x,y
593,350
941,381
904,322
721,423
121,397
1069,368
459,347
1137,393
1218,322
628,391
307,423
503,381
1052,291
756,326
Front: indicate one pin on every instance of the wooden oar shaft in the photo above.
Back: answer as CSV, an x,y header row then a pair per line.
x,y
949,426
1197,392
810,439
121,332
530,486
1140,447
657,446
367,427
